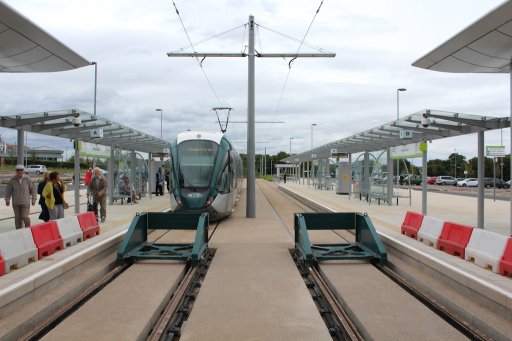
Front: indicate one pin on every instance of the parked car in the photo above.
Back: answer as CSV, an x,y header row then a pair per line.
x,y
413,179
489,183
35,169
431,180
469,182
446,180
507,184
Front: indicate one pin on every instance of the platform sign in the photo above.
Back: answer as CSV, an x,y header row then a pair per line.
x,y
495,151
405,134
93,150
342,157
406,151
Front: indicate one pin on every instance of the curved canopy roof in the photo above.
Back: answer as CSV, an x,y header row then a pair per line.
x,y
483,47
442,124
60,124
25,47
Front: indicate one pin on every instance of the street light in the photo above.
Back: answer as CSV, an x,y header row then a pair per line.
x,y
455,162
312,125
161,115
95,83
291,138
397,118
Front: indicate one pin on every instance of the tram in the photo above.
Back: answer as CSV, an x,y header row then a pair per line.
x,y
206,174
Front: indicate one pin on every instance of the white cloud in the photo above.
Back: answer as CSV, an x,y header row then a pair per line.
x,y
375,43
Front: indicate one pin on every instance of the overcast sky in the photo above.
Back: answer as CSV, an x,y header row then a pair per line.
x,y
375,44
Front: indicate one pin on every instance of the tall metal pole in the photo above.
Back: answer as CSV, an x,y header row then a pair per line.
x,y
397,118
161,116
455,164
510,150
95,84
251,177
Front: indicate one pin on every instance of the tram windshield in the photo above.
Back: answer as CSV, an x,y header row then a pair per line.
x,y
196,160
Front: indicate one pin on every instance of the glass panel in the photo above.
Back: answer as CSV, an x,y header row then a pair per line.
x,y
195,162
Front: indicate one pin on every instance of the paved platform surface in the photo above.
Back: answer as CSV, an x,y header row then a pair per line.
x,y
253,289
460,209
456,208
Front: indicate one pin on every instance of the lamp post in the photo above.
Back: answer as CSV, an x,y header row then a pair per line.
x,y
455,163
161,116
309,170
291,138
397,118
95,83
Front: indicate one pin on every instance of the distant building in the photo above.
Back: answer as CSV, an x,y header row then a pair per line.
x,y
42,153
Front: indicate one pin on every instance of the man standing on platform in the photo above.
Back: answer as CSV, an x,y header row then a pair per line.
x,y
159,182
22,190
98,189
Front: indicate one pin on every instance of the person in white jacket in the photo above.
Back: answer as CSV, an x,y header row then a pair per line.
x,y
22,191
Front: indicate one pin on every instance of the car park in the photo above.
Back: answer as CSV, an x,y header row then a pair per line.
x,y
490,182
431,180
35,169
469,182
446,180
413,180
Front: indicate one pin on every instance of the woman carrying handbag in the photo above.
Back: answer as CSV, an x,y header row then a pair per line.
x,y
53,193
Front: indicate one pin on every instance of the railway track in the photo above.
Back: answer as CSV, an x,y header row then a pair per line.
x,y
341,323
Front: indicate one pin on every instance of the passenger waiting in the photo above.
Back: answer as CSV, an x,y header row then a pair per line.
x,y
125,189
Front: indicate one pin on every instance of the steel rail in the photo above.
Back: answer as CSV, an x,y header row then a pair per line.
x,y
348,328
160,327
461,325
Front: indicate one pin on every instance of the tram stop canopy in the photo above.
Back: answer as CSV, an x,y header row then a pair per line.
x,y
25,47
441,124
64,124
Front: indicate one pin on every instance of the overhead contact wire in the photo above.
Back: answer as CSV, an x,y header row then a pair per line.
x,y
290,64
197,58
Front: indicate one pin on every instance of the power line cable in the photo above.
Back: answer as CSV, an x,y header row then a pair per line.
x,y
197,59
210,38
290,63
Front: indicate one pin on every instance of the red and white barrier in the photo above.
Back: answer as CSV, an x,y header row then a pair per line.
x,y
486,248
17,248
506,259
47,238
430,230
88,224
70,230
454,238
412,223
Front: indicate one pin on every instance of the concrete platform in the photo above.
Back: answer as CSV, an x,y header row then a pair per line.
x,y
480,296
34,290
253,289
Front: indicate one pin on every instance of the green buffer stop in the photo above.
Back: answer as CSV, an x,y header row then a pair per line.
x,y
367,243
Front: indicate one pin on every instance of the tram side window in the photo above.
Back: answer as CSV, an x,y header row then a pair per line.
x,y
224,182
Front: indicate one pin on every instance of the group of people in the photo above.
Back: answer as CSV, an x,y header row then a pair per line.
x,y
22,192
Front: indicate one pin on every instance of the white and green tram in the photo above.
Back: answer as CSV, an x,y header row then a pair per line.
x,y
206,174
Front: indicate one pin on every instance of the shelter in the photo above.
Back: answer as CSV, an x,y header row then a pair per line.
x,y
483,47
422,126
